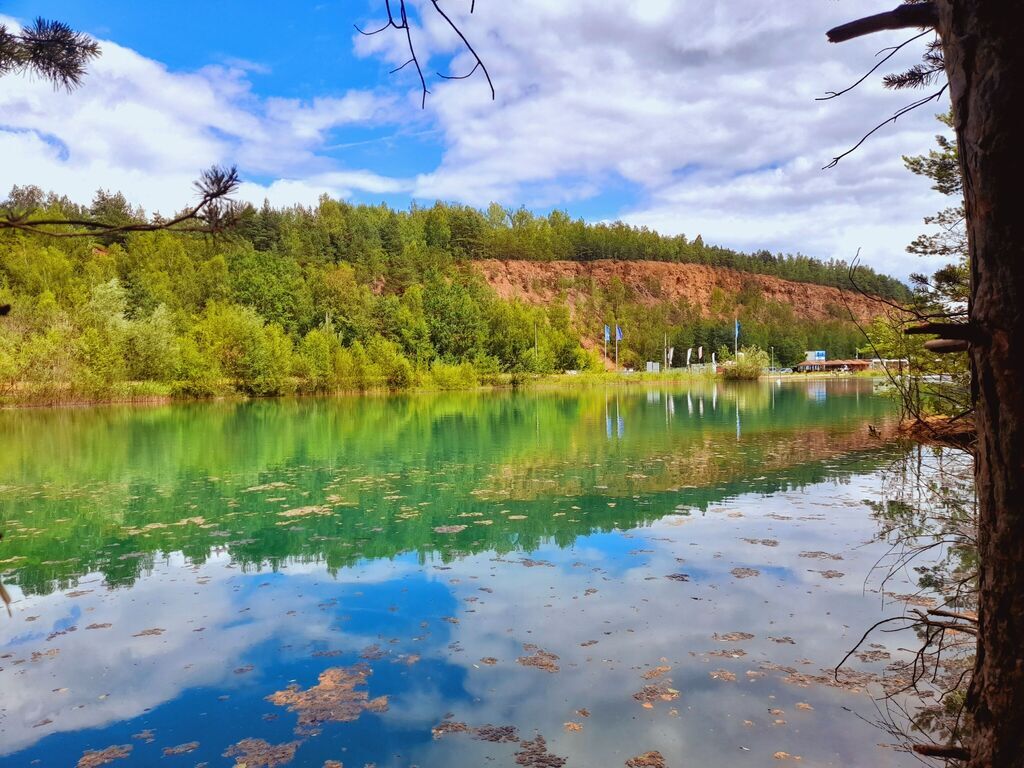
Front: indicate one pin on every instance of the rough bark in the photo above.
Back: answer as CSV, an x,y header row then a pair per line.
x,y
983,43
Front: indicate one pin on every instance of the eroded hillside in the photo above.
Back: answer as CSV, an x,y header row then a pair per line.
x,y
653,282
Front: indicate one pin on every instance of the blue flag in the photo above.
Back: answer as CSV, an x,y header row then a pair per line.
x,y
607,334
737,330
618,333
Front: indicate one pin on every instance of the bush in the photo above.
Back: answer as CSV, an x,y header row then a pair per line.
x,y
198,375
152,347
749,365
267,363
396,371
488,369
314,361
257,357
447,376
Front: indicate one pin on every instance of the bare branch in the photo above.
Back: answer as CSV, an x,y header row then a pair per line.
x,y
891,52
896,116
400,21
469,47
903,17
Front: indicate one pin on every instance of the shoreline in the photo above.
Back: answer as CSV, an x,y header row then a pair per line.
x,y
508,382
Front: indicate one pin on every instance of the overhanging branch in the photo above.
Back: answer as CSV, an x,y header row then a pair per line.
x,y
903,17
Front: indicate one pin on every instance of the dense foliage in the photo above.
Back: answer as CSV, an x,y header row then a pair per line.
x,y
348,297
940,384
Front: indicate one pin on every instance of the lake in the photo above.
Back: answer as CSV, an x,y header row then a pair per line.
x,y
539,579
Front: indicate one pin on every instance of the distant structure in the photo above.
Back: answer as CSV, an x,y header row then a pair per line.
x,y
817,361
890,364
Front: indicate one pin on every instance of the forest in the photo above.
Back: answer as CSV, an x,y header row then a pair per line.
x,y
354,297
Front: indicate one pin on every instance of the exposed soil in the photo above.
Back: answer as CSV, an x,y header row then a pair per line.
x,y
651,282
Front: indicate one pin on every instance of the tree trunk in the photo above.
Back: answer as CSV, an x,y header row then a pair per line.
x,y
983,43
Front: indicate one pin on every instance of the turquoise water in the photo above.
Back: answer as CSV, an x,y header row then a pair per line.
x,y
339,578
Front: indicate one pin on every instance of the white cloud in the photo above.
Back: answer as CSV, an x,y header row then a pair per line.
x,y
707,109
140,128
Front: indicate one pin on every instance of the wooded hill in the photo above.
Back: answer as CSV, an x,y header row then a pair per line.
x,y
351,297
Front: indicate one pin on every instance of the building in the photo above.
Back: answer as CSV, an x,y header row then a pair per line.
x,y
833,366
896,364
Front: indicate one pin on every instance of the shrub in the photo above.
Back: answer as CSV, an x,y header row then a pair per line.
x,y
152,347
314,360
749,365
198,375
448,376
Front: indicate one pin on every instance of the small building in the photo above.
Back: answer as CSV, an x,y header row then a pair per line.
x,y
899,365
833,366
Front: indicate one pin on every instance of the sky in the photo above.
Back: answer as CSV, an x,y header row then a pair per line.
x,y
685,116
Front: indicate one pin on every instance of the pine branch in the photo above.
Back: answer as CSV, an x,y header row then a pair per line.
x,y
213,214
48,49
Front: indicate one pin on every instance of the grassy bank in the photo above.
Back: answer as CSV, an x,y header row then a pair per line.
x,y
67,394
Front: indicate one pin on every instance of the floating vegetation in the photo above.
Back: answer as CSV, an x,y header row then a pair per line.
x,y
305,512
656,672
733,637
538,658
647,760
257,753
334,698
745,573
447,727
96,758
534,754
728,653
821,556
450,528
724,675
496,734
181,749
649,695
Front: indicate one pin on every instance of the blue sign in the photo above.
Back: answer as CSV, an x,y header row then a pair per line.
x,y
819,355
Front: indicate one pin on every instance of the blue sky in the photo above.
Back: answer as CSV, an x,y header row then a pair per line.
x,y
604,111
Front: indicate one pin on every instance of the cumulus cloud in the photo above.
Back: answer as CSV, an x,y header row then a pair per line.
x,y
140,128
707,109
701,115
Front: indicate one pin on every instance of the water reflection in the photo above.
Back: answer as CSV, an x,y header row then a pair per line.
x,y
224,552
